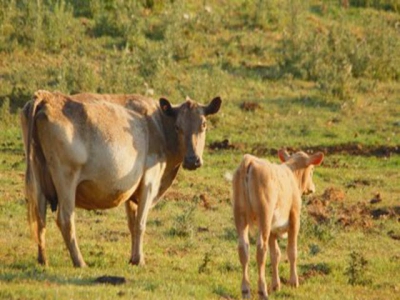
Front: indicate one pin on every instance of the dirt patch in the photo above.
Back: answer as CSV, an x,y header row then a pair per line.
x,y
331,207
175,195
356,216
225,145
350,149
394,235
249,106
312,270
318,207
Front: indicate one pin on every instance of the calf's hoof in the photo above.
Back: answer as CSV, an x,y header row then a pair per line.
x,y
276,287
246,294
294,283
262,295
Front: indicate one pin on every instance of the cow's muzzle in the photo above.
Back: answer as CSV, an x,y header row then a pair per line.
x,y
192,162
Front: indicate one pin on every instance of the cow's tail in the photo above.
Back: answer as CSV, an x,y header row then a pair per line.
x,y
240,183
38,183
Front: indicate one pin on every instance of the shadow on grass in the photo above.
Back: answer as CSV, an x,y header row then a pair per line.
x,y
24,271
307,102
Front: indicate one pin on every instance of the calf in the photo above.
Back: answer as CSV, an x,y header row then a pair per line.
x,y
269,196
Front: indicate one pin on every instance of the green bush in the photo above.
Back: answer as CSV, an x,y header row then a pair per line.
x,y
393,5
45,25
334,54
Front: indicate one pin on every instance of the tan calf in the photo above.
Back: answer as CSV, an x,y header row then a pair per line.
x,y
269,196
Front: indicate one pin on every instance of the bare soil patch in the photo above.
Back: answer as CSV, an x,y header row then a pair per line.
x,y
249,106
225,145
349,149
331,207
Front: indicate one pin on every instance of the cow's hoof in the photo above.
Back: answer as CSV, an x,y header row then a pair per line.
x,y
137,261
81,264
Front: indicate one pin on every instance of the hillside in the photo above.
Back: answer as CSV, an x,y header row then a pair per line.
x,y
312,75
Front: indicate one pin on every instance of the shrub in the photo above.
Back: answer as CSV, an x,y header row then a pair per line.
x,y
45,25
393,5
356,269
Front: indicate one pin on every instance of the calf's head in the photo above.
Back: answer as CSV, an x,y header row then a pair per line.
x,y
302,166
190,126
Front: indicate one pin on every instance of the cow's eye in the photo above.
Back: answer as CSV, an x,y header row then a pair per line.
x,y
203,126
177,129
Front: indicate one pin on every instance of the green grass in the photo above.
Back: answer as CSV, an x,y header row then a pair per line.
x,y
292,59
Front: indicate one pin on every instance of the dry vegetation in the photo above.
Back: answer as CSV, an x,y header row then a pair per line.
x,y
310,75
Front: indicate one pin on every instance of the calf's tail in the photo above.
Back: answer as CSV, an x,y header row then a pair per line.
x,y
241,189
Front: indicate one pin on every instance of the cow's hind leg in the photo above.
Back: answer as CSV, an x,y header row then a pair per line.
x,y
37,223
66,190
41,231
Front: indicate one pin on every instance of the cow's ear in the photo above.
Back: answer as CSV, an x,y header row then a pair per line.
x,y
283,155
213,107
167,108
316,159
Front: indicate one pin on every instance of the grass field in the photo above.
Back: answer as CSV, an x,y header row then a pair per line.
x,y
307,75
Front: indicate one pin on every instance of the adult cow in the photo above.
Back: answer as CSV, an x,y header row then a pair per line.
x,y
91,152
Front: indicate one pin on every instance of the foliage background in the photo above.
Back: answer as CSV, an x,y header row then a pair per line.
x,y
321,75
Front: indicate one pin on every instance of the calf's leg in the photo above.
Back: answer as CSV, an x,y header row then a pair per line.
x,y
275,254
294,226
243,250
262,247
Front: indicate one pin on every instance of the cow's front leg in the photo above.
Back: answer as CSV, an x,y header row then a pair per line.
x,y
148,191
131,212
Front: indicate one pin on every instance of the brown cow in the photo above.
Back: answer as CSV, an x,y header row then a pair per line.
x,y
89,151
269,196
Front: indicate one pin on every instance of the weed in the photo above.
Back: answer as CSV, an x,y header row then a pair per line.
x,y
356,269
205,264
183,225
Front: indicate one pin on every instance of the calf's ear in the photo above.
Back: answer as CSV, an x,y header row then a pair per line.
x,y
213,107
167,108
283,155
316,159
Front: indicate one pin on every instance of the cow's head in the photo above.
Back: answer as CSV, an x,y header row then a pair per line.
x,y
190,125
302,166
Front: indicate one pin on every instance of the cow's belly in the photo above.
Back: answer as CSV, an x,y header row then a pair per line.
x,y
90,195
110,177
